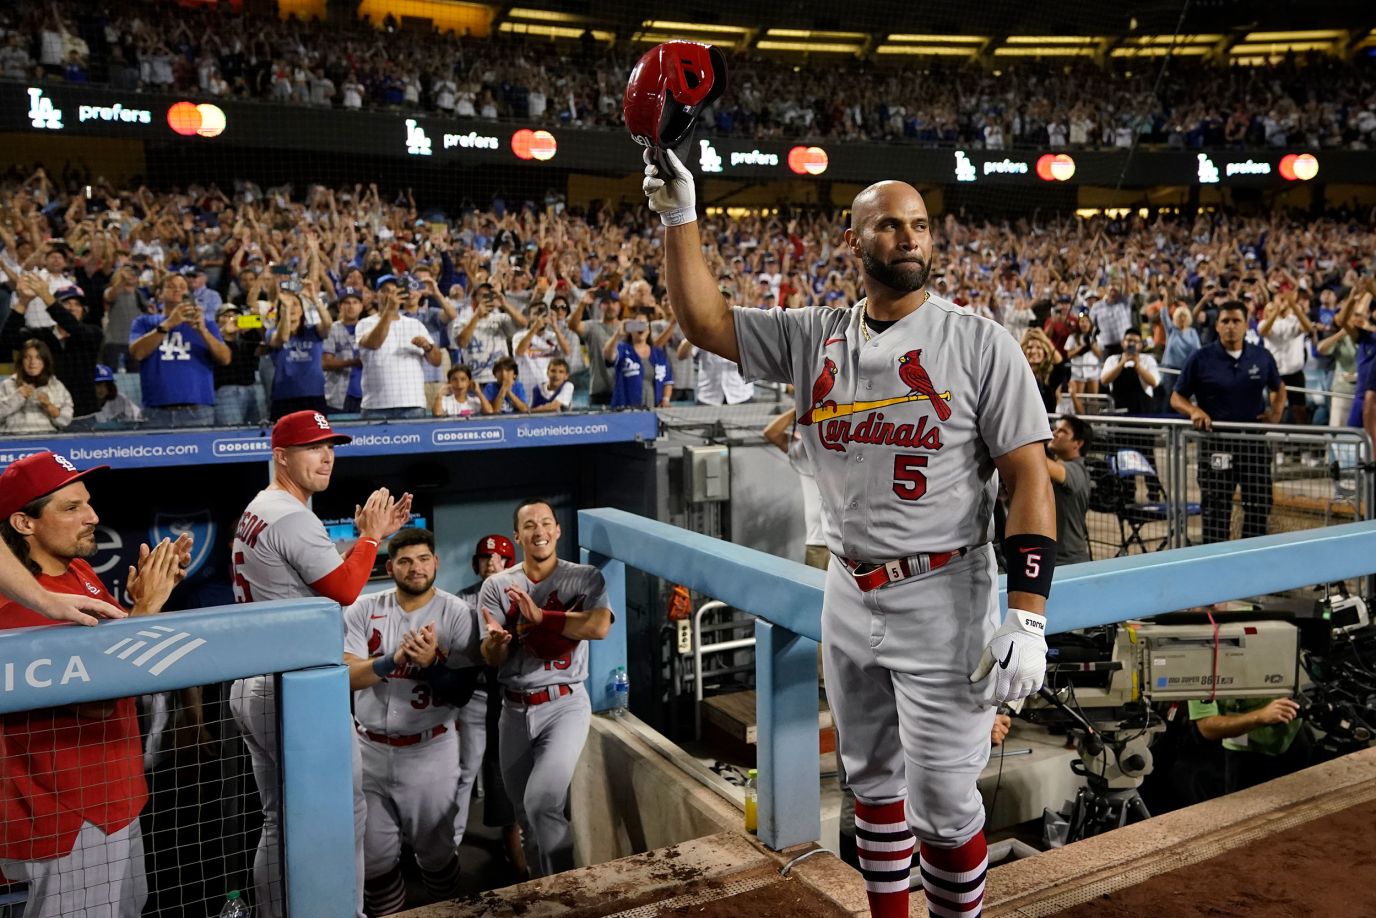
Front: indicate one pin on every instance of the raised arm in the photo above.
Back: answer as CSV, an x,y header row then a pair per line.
x,y
696,302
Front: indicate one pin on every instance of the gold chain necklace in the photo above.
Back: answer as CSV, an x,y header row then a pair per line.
x,y
864,319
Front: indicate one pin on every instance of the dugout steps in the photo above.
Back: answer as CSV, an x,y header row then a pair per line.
x,y
730,873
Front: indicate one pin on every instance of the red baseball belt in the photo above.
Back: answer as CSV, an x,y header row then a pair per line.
x,y
545,694
409,740
870,575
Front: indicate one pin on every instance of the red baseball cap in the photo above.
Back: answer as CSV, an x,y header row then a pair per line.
x,y
494,545
302,428
32,477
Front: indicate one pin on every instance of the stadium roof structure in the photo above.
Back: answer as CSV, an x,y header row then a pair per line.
x,y
1236,30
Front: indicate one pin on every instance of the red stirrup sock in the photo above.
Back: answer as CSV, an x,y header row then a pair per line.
x,y
885,846
953,878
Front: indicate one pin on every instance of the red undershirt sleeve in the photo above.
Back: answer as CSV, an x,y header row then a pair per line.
x,y
345,582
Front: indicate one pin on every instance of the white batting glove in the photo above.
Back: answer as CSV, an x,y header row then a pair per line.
x,y
669,187
1016,656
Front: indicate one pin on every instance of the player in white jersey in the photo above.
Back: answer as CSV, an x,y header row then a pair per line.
x,y
538,617
910,404
281,551
479,726
413,661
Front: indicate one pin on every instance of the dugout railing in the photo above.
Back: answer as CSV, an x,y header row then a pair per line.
x,y
302,642
786,599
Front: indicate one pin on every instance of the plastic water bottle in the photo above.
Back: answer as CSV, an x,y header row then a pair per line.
x,y
752,795
234,906
621,692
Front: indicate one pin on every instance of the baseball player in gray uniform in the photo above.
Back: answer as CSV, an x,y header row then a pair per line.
x,y
910,405
479,725
413,658
538,617
281,551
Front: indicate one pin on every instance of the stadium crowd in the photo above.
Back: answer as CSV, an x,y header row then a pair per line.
x,y
229,307
1315,101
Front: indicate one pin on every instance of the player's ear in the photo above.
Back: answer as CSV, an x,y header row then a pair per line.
x,y
389,567
22,523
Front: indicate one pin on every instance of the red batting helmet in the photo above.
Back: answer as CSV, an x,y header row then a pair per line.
x,y
667,89
494,545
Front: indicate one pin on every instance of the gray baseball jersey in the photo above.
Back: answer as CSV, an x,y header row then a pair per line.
x,y
401,704
280,549
569,588
902,428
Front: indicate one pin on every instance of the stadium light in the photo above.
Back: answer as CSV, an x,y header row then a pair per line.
x,y
1174,40
671,26
1046,51
809,34
522,12
1052,40
1277,49
938,39
929,50
1311,35
807,47
1182,51
549,31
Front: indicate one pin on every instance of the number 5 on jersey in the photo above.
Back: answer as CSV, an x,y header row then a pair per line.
x,y
909,482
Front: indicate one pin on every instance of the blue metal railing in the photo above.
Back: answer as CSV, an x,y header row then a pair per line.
x,y
301,639
786,599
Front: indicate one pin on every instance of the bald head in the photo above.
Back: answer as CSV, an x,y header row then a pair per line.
x,y
891,235
889,197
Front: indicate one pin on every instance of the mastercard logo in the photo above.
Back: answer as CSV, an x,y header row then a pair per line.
x,y
1298,168
1055,167
528,144
191,120
808,160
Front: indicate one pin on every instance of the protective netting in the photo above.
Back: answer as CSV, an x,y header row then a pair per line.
x,y
262,164
157,809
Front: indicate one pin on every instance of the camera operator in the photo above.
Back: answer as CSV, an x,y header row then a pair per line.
x,y
1262,739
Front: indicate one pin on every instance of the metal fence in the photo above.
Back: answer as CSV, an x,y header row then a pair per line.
x,y
1158,483
68,695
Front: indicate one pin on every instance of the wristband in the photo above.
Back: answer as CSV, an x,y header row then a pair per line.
x,y
679,216
1031,560
552,621
384,666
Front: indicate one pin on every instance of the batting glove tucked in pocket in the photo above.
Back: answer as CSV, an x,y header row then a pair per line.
x,y
1016,658
669,187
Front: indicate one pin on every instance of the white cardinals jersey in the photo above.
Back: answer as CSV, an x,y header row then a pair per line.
x,y
401,704
901,427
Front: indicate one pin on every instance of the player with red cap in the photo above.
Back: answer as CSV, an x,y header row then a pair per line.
x,y
73,776
478,723
282,551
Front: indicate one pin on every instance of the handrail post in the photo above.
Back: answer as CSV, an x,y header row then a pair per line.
x,y
606,656
790,799
314,739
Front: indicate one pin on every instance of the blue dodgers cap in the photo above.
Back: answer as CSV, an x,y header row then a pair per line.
x,y
385,279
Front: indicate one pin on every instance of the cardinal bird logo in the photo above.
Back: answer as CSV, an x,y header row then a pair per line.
x,y
822,387
919,383
374,643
